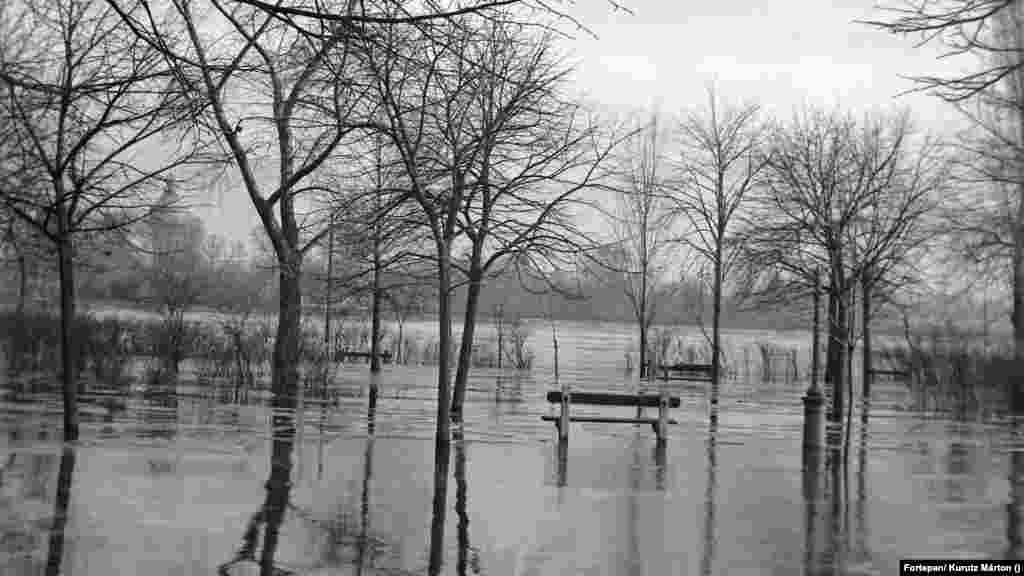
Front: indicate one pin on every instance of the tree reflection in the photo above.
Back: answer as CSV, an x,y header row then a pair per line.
x,y
562,461
364,508
634,564
1013,507
832,558
278,486
468,558
660,468
708,557
55,552
824,513
811,488
860,511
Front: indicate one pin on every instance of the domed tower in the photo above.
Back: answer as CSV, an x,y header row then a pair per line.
x,y
164,225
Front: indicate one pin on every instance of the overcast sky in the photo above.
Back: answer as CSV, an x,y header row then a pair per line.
x,y
783,54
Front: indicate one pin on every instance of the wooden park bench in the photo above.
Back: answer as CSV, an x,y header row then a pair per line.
x,y
662,401
685,371
343,354
892,373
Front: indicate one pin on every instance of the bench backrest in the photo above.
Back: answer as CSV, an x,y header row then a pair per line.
x,y
612,399
684,367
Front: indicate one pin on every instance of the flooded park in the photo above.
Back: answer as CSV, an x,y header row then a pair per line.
x,y
510,287
182,481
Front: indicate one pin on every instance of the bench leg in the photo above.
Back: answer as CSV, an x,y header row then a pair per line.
x,y
663,416
563,419
562,458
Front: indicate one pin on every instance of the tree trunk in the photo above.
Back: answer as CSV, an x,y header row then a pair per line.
x,y
400,348
716,337
285,373
501,335
327,293
868,376
461,497
55,553
68,360
643,349
468,330
834,369
375,313
851,345
22,286
442,441
14,348
1017,402
279,482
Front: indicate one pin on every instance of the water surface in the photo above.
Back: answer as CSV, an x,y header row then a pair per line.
x,y
185,484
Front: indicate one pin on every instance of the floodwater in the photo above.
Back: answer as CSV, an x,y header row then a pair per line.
x,y
185,484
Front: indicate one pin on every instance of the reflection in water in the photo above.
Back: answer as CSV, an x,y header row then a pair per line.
x,y
461,501
899,465
825,510
708,557
271,515
1014,548
834,554
364,509
562,460
860,512
811,488
660,465
161,410
634,565
960,464
60,510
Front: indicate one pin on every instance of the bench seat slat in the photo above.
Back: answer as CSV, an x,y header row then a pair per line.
x,y
612,399
606,420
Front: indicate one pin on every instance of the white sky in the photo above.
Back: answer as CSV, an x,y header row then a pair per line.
x,y
782,54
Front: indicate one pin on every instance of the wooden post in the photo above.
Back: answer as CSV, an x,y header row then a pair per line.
x,y
328,343
663,415
562,459
651,370
563,417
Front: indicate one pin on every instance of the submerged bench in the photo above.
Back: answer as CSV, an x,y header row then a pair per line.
x,y
894,373
343,354
685,371
662,401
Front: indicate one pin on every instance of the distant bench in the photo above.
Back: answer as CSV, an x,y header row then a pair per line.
x,y
890,372
663,402
685,371
343,354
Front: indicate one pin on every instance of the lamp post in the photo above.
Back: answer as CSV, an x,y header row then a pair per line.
x,y
814,400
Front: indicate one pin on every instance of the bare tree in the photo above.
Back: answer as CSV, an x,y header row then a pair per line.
x,y
381,237
177,272
425,84
530,154
409,71
642,228
990,30
273,97
86,99
839,197
719,165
